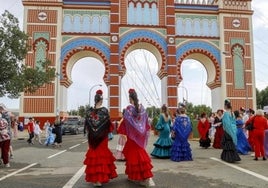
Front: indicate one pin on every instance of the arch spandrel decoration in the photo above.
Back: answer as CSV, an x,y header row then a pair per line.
x,y
138,38
208,51
97,48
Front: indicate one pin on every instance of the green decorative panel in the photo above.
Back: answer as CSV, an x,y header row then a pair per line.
x,y
65,38
86,12
192,17
123,30
237,41
40,54
239,77
41,35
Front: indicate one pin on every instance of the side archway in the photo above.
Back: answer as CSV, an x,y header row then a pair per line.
x,y
69,58
207,54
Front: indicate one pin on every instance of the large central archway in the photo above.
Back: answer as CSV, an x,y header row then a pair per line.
x,y
172,30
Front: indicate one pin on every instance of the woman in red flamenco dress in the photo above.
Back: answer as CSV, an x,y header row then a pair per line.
x,y
99,161
136,127
203,127
219,130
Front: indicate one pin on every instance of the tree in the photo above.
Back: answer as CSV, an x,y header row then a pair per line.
x,y
15,76
262,97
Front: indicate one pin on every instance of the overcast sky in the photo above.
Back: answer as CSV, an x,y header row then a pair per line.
x,y
149,89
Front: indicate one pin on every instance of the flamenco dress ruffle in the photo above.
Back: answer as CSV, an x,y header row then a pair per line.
x,y
119,148
204,143
229,153
266,142
181,151
99,163
162,148
243,146
138,163
218,137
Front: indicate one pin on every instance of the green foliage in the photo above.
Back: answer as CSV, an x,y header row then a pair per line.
x,y
154,122
15,76
193,111
153,111
262,97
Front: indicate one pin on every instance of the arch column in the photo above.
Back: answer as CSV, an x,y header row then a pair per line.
x,y
114,77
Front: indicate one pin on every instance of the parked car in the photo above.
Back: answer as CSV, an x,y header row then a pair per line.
x,y
73,125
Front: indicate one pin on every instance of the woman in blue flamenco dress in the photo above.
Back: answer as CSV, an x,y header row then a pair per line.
x,y
229,140
242,146
50,137
164,142
182,128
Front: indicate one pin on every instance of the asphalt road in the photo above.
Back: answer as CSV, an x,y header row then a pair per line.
x,y
39,166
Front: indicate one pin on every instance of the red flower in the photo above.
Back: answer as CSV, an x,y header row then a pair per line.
x,y
99,92
131,90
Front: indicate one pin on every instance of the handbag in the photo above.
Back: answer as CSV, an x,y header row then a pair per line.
x,y
250,125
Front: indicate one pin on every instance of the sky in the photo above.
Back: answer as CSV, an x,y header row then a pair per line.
x,y
142,75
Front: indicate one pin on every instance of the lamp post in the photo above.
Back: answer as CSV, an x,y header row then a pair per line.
x,y
91,90
186,91
246,86
57,94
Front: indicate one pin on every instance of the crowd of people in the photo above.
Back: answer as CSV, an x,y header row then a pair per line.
x,y
238,132
53,132
9,128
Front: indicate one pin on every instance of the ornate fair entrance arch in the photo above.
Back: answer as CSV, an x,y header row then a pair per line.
x,y
216,33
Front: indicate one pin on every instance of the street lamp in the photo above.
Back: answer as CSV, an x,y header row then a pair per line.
x,y
57,94
241,57
186,91
91,90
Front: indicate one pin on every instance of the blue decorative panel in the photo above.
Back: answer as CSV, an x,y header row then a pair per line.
x,y
142,34
205,28
86,24
197,25
198,45
87,21
142,14
214,28
96,24
155,20
76,24
85,42
105,25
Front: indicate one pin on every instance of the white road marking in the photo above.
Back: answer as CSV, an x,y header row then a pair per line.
x,y
75,178
241,169
74,146
56,154
18,171
84,141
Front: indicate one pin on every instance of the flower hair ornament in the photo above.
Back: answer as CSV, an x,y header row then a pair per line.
x,y
99,92
131,91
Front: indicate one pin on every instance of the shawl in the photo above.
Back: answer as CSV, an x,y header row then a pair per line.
x,y
229,125
239,123
98,125
136,125
182,127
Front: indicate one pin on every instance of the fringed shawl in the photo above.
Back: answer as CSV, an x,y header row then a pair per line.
x,y
182,127
136,125
98,125
229,125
